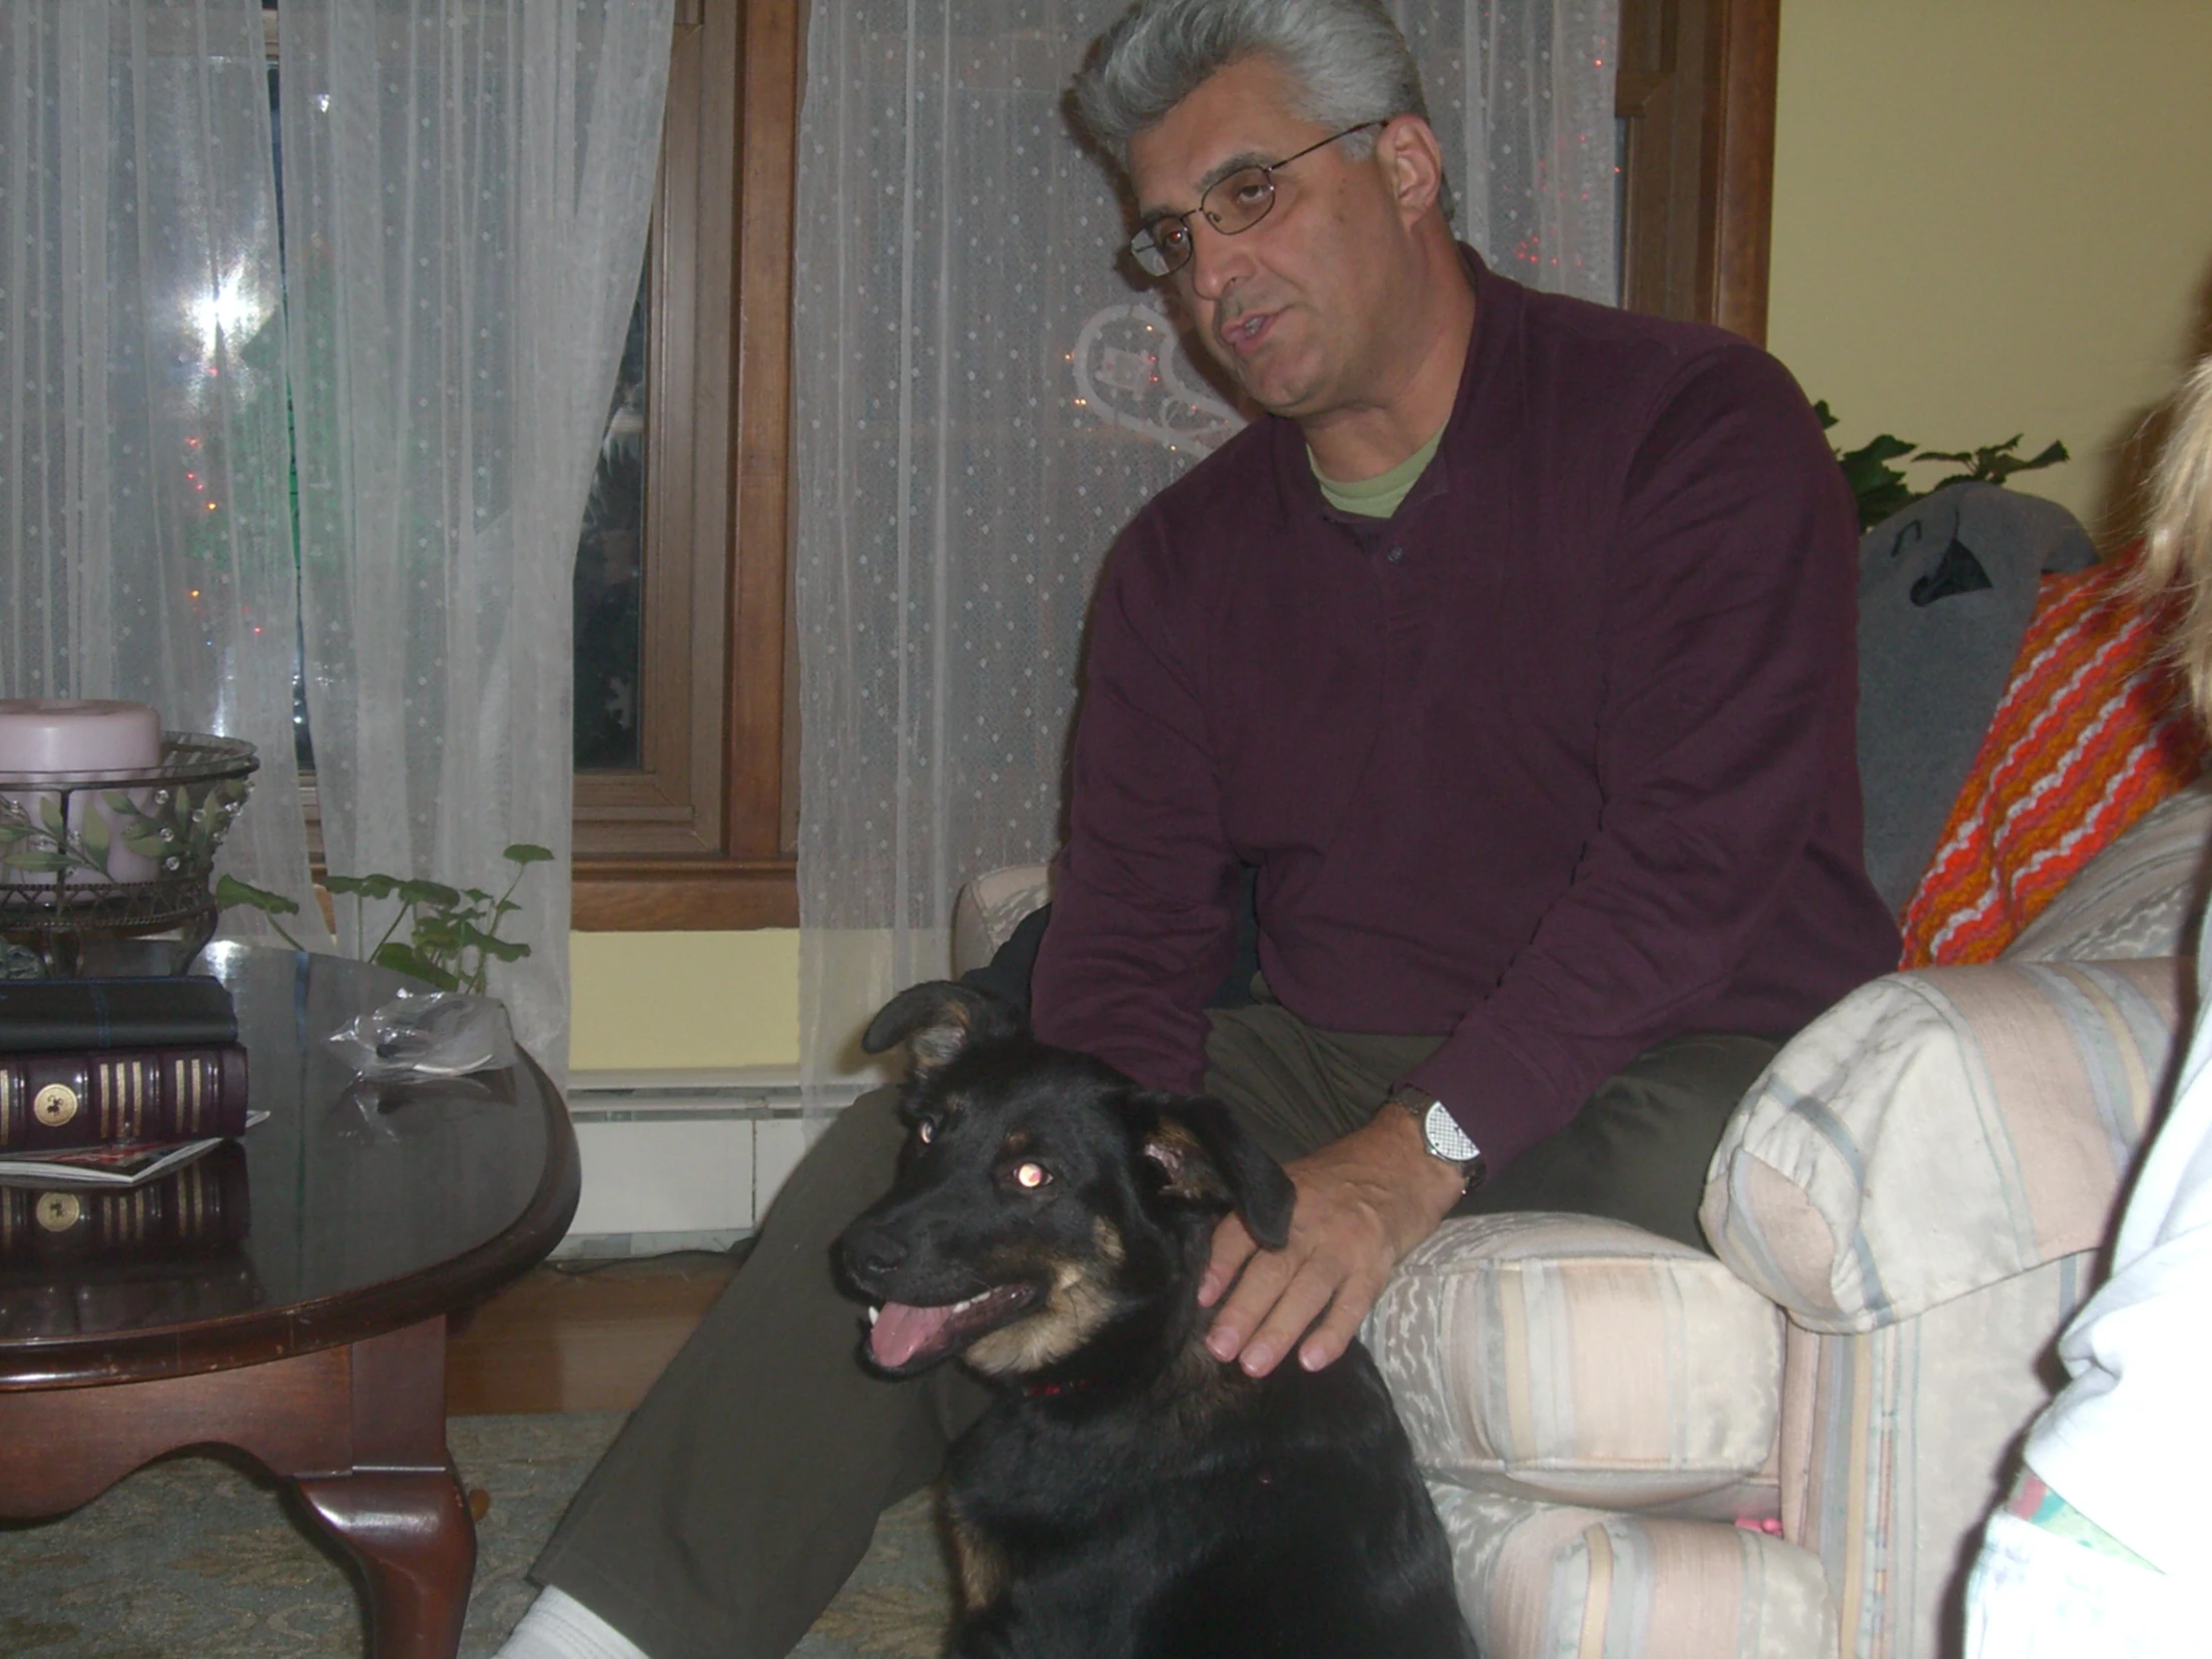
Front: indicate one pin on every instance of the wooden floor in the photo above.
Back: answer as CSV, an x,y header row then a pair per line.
x,y
579,1335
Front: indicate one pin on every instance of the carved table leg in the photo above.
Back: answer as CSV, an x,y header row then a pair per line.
x,y
412,1534
395,1503
360,1431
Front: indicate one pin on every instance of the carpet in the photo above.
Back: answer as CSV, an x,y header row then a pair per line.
x,y
199,1555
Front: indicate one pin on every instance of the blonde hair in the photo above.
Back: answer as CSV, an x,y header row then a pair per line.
x,y
2177,551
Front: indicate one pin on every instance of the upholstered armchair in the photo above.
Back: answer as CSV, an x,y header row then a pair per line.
x,y
1786,1448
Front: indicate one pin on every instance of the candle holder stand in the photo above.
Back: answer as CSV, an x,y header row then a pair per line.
x,y
63,914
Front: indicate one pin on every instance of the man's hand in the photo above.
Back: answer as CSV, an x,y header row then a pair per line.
x,y
1363,1203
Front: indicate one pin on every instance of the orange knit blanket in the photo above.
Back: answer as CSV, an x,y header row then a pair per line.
x,y
2093,731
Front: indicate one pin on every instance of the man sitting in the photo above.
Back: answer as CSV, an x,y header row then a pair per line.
x,y
1513,650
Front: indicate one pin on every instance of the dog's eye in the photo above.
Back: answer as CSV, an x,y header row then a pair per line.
x,y
1031,1175
925,1131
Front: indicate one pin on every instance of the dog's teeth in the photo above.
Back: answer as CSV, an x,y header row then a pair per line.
x,y
873,1314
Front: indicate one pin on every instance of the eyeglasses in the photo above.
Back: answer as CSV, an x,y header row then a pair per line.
x,y
1164,247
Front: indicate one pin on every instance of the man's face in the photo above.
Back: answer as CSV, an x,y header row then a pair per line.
x,y
1298,307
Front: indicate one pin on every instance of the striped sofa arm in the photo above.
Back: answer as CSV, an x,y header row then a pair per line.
x,y
1596,1409
1939,1131
1574,1359
1922,1179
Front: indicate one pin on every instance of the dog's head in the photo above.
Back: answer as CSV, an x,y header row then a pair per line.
x,y
1043,1200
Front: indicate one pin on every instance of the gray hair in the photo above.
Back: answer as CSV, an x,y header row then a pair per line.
x,y
1347,58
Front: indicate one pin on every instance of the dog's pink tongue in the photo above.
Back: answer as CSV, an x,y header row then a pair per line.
x,y
901,1332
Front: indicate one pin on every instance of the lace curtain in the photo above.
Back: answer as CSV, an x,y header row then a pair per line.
x,y
144,516
466,190
981,402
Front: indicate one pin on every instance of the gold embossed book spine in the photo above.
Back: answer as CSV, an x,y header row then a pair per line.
x,y
51,1102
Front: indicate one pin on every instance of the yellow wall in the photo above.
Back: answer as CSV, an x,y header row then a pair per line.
x,y
684,1001
1989,215
1993,216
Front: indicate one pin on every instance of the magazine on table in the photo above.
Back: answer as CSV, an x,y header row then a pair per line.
x,y
119,1164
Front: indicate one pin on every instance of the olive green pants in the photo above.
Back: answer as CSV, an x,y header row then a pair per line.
x,y
745,1488
1636,1151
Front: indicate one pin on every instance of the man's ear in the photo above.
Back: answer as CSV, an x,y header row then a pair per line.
x,y
938,1019
1414,163
1205,1159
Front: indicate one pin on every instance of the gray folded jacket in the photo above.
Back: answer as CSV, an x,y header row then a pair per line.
x,y
1946,592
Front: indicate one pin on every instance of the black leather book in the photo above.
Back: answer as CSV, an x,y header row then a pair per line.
x,y
53,1015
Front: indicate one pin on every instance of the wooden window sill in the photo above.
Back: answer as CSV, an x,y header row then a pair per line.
x,y
683,895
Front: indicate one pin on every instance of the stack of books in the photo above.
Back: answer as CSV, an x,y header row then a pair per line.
x,y
121,1101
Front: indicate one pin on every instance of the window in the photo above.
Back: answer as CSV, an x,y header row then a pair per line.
x,y
683,817
609,581
698,830
1695,95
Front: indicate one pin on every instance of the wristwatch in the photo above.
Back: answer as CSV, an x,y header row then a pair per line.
x,y
1441,1132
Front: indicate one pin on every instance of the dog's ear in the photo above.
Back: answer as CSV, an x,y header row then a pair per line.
x,y
937,1021
1208,1160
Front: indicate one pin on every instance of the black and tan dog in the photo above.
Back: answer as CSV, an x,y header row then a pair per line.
x,y
1128,1494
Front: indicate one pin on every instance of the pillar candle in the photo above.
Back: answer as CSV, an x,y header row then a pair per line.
x,y
44,734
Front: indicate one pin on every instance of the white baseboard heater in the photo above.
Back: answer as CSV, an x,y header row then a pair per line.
x,y
684,1161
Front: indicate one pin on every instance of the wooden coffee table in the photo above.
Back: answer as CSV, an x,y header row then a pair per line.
x,y
318,1345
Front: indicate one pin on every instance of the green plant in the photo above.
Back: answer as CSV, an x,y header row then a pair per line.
x,y
1881,489
452,933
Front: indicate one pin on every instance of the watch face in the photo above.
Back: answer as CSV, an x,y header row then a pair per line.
x,y
1445,1138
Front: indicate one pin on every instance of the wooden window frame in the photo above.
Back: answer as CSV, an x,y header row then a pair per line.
x,y
702,835
1695,83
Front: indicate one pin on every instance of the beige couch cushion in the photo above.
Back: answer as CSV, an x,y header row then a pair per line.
x,y
1939,1131
1574,1359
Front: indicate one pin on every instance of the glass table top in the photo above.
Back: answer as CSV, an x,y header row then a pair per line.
x,y
353,1192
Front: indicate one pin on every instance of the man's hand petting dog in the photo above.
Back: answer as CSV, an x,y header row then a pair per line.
x,y
1364,1202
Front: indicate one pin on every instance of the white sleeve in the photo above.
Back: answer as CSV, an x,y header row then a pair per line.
x,y
2127,1441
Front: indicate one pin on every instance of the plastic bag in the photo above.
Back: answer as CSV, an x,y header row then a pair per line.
x,y
428,1034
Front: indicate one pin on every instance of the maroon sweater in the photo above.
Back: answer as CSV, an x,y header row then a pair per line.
x,y
1559,760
